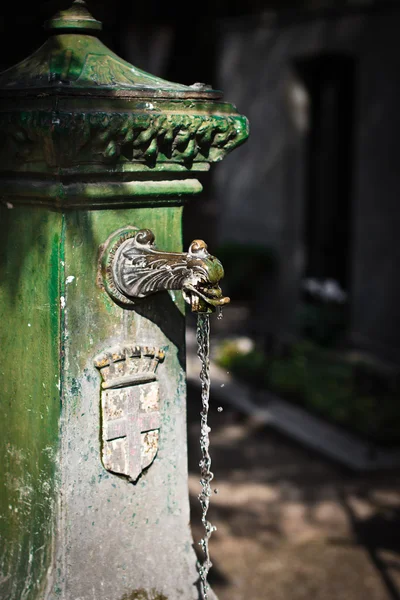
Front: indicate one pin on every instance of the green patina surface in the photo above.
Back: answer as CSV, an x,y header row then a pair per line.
x,y
84,61
32,276
80,129
91,315
38,140
29,398
93,322
77,106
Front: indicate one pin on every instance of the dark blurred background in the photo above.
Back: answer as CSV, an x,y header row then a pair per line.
x,y
306,219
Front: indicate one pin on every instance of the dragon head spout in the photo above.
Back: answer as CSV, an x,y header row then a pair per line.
x,y
134,268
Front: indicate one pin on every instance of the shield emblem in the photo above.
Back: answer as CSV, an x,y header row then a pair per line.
x,y
130,407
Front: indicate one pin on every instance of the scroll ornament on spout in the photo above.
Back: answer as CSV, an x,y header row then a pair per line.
x,y
134,268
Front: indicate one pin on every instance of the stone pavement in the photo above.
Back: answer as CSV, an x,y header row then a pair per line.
x,y
292,525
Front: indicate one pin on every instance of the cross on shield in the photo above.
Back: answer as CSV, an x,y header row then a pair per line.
x,y
130,407
130,441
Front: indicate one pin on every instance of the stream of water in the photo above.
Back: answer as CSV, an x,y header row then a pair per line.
x,y
203,341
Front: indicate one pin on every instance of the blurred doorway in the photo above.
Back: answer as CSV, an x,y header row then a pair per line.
x,y
329,80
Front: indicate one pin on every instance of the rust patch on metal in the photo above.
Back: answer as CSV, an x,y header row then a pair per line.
x,y
143,595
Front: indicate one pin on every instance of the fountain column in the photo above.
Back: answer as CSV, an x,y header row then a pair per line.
x,y
93,486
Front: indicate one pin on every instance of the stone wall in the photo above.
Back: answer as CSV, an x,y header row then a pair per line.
x,y
260,188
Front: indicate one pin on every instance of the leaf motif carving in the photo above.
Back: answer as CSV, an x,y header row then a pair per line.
x,y
145,274
73,139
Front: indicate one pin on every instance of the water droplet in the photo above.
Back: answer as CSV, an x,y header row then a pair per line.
x,y
220,409
220,314
222,385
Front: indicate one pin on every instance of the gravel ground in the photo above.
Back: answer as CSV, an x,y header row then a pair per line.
x,y
292,525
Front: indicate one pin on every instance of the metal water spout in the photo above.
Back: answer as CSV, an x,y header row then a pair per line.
x,y
134,268
97,158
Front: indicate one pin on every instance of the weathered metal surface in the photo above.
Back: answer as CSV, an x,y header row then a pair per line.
x,y
82,129
36,140
79,109
130,402
139,533
75,17
29,396
132,267
79,60
97,194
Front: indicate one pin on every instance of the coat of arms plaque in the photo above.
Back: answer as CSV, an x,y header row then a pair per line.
x,y
130,407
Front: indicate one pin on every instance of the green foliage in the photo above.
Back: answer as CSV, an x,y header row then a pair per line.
x,y
248,366
322,322
354,396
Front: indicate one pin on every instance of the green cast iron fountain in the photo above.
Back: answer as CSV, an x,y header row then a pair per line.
x,y
96,160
